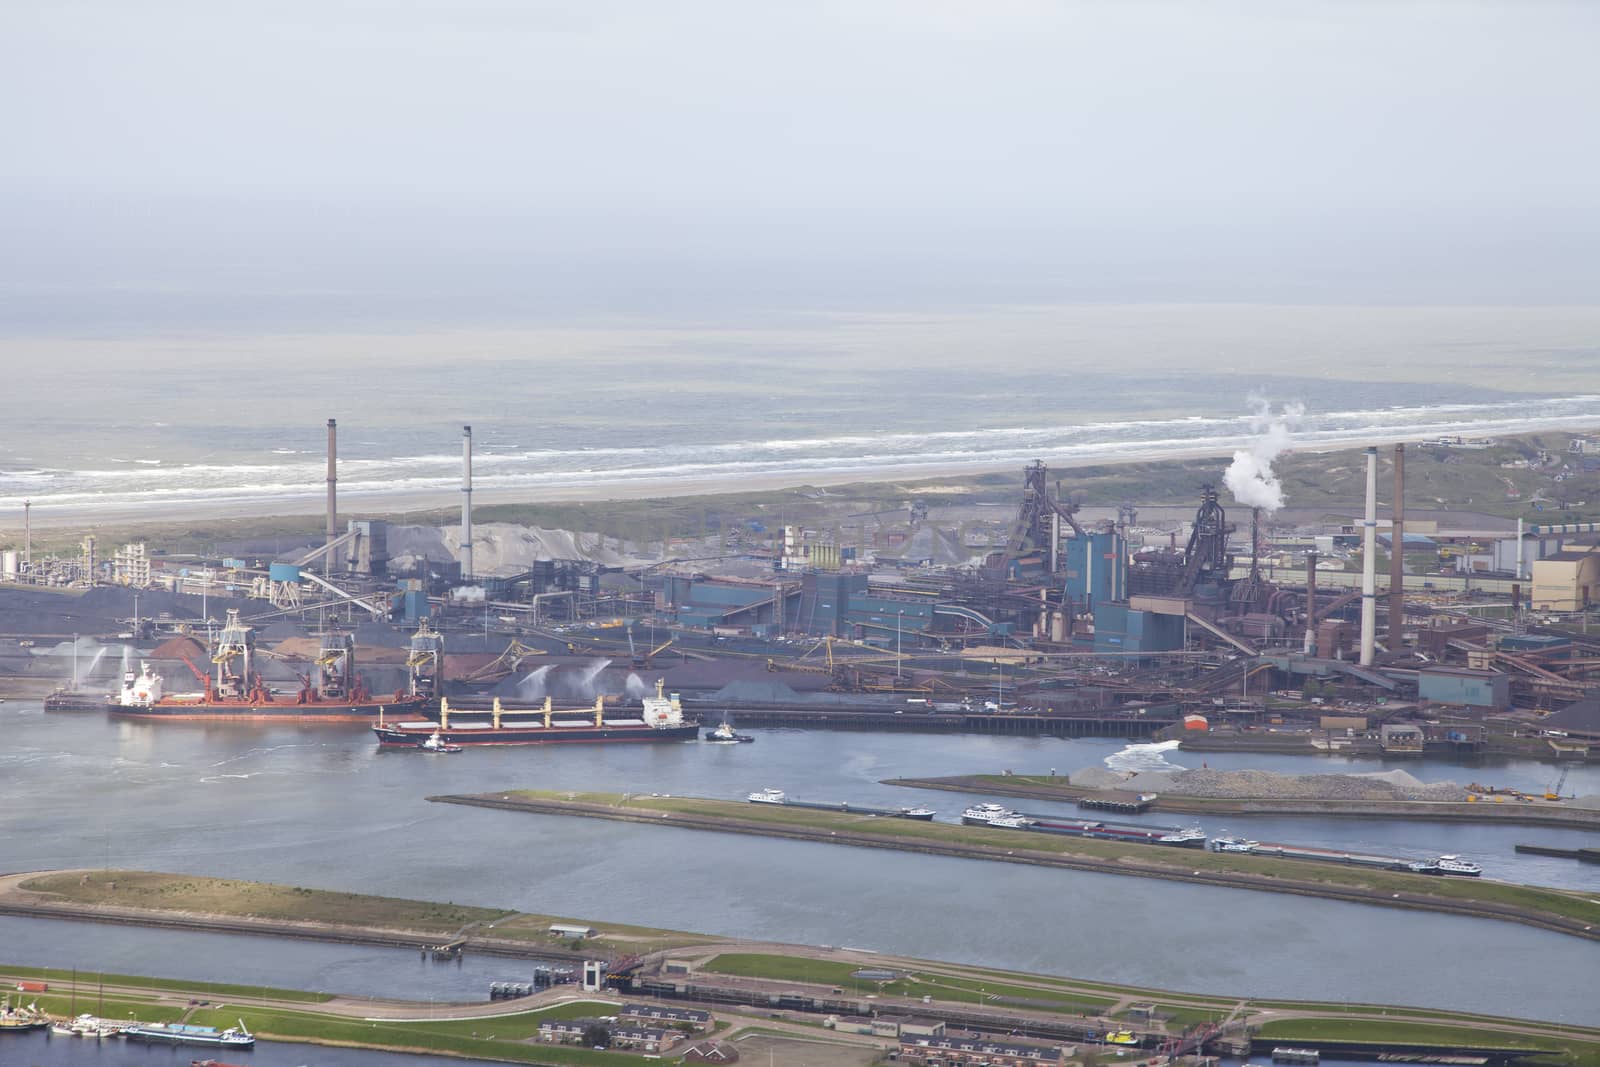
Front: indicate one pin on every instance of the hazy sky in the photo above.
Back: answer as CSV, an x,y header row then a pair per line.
x,y
308,164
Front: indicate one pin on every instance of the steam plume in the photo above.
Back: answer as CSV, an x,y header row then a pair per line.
x,y
1250,477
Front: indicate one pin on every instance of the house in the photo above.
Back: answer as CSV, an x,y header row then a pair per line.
x,y
962,1050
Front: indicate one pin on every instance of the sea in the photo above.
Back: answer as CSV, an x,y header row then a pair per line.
x,y
134,424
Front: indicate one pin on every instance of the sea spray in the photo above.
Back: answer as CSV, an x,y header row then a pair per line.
x,y
1139,758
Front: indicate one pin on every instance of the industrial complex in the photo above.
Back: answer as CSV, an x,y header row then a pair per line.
x,y
1224,625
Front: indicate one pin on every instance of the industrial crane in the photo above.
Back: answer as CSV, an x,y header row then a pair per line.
x,y
1554,793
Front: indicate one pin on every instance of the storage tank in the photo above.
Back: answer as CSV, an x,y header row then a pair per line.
x,y
10,563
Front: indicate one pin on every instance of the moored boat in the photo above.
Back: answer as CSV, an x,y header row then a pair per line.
x,y
768,796
1457,866
919,813
661,718
185,1034
236,692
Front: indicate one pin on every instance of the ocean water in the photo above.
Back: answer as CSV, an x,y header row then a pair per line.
x,y
162,425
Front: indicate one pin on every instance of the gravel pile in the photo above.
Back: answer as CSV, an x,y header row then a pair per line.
x,y
1251,785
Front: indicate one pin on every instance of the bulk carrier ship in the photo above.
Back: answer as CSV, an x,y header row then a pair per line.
x,y
333,692
661,719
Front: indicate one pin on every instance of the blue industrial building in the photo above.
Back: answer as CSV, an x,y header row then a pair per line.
x,y
1458,685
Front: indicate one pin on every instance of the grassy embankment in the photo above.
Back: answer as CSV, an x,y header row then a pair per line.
x,y
1121,858
226,898
297,1016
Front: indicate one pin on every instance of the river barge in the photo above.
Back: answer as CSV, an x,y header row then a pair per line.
x,y
332,692
184,1034
661,719
1138,833
777,796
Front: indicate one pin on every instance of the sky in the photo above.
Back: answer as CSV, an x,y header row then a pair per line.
x,y
356,164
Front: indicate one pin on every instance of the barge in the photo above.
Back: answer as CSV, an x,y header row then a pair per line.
x,y
777,796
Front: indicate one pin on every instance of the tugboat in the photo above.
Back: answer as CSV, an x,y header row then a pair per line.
x,y
435,743
724,735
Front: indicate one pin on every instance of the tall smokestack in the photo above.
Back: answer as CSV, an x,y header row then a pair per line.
x,y
333,488
466,502
1311,603
1397,551
1369,553
27,535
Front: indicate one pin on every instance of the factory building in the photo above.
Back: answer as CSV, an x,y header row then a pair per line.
x,y
1462,686
1566,581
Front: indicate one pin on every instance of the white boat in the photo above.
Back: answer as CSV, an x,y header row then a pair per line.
x,y
1458,866
986,814
1189,837
768,796
1234,844
919,812
1011,822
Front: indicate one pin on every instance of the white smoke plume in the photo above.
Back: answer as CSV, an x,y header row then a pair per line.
x,y
1250,477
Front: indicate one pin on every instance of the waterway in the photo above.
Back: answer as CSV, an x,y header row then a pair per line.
x,y
40,1049
321,807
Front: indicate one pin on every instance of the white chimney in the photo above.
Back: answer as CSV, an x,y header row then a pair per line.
x,y
466,503
1369,559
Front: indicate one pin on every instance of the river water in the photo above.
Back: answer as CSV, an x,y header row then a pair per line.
x,y
321,807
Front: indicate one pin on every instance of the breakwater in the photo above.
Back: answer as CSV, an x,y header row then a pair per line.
x,y
1385,889
1509,813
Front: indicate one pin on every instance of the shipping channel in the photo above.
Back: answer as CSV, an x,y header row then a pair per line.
x,y
322,807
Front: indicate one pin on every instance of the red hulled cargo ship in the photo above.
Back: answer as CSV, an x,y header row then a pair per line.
x,y
333,692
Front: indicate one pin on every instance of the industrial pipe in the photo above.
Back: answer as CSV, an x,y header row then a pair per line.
x,y
466,503
1369,553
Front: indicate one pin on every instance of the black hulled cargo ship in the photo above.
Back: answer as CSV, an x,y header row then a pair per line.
x,y
661,719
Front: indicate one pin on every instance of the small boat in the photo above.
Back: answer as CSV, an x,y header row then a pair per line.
x,y
920,813
1189,837
16,1020
1012,821
1424,867
1234,844
768,796
63,1030
1122,1037
724,735
1458,866
436,743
